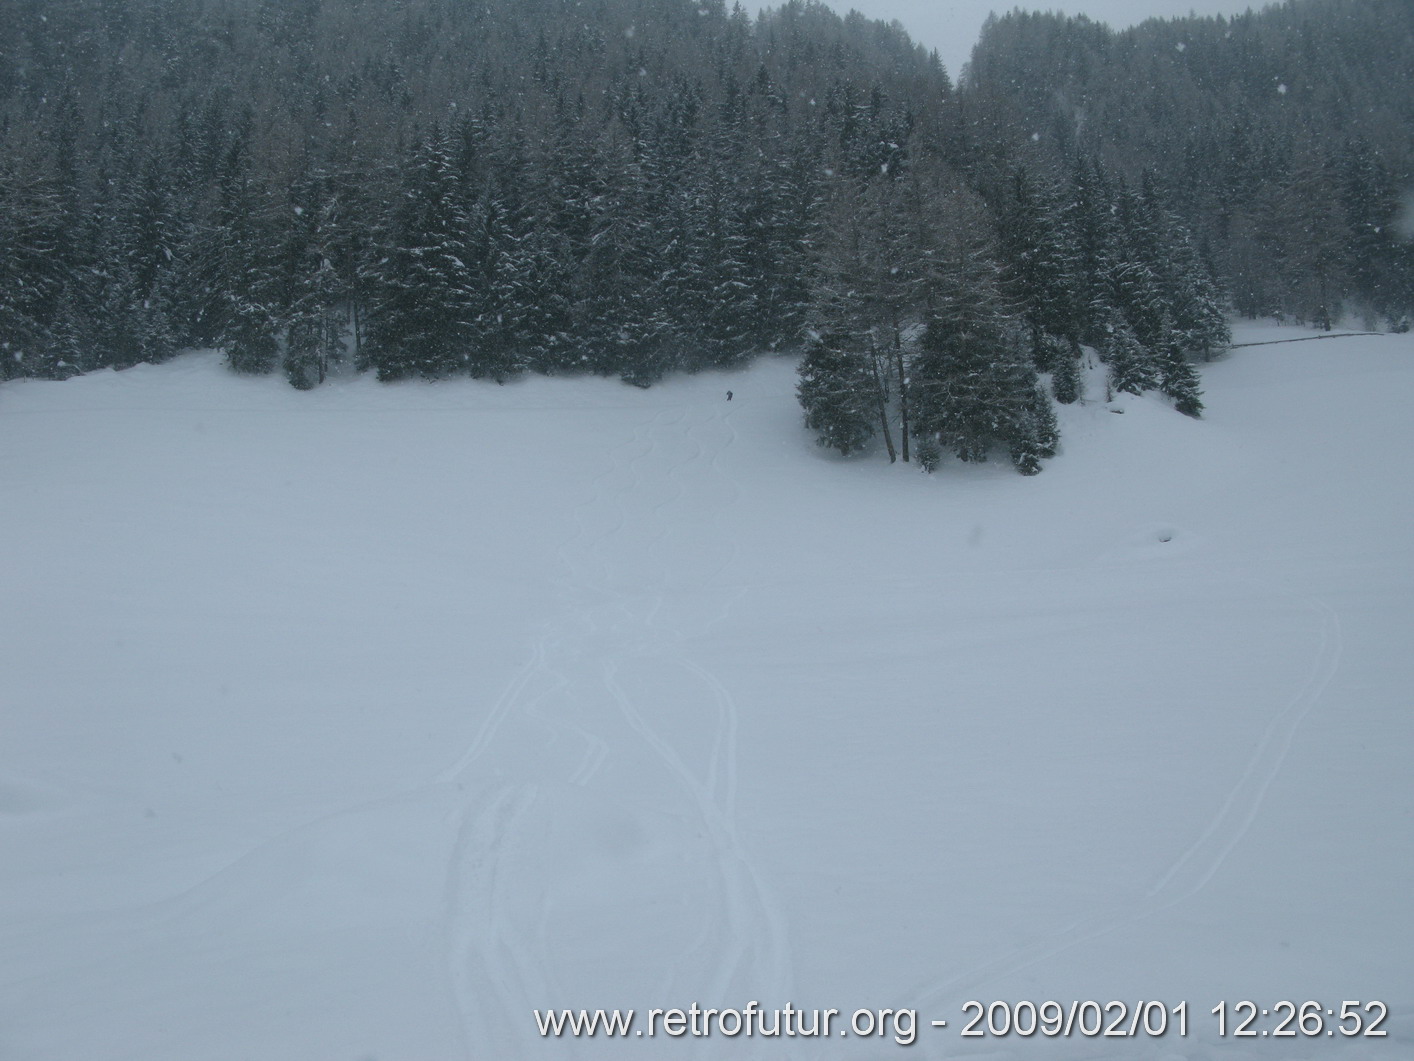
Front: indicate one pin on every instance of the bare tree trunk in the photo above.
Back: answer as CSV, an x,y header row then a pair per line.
x,y
902,389
882,395
357,337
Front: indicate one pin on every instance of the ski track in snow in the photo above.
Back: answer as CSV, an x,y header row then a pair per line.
x,y
487,996
613,616
1196,866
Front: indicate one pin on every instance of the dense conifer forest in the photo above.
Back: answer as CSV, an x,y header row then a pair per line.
x,y
433,188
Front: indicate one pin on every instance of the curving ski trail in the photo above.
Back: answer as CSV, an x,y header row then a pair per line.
x,y
504,891
1195,867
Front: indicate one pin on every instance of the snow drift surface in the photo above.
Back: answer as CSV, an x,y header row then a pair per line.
x,y
360,724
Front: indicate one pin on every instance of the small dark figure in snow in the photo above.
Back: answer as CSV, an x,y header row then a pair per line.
x,y
729,395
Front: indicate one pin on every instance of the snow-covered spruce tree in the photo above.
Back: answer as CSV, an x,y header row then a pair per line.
x,y
930,455
1063,357
127,328
1194,304
974,385
1135,280
1131,368
67,351
1091,220
423,302
879,262
1025,453
317,296
729,313
1315,239
782,223
251,343
534,276
124,291
835,392
1043,419
1199,314
1370,195
500,281
1039,266
847,301
315,337
248,286
1179,379
235,259
640,339
31,273
625,324
1037,434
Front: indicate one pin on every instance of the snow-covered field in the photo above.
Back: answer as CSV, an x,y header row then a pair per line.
x,y
360,724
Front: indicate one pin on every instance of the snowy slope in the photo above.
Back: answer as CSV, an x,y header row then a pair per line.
x,y
360,724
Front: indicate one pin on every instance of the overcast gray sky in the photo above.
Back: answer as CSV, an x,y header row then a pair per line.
x,y
952,26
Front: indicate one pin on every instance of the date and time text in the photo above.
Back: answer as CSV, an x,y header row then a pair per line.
x,y
1119,1019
